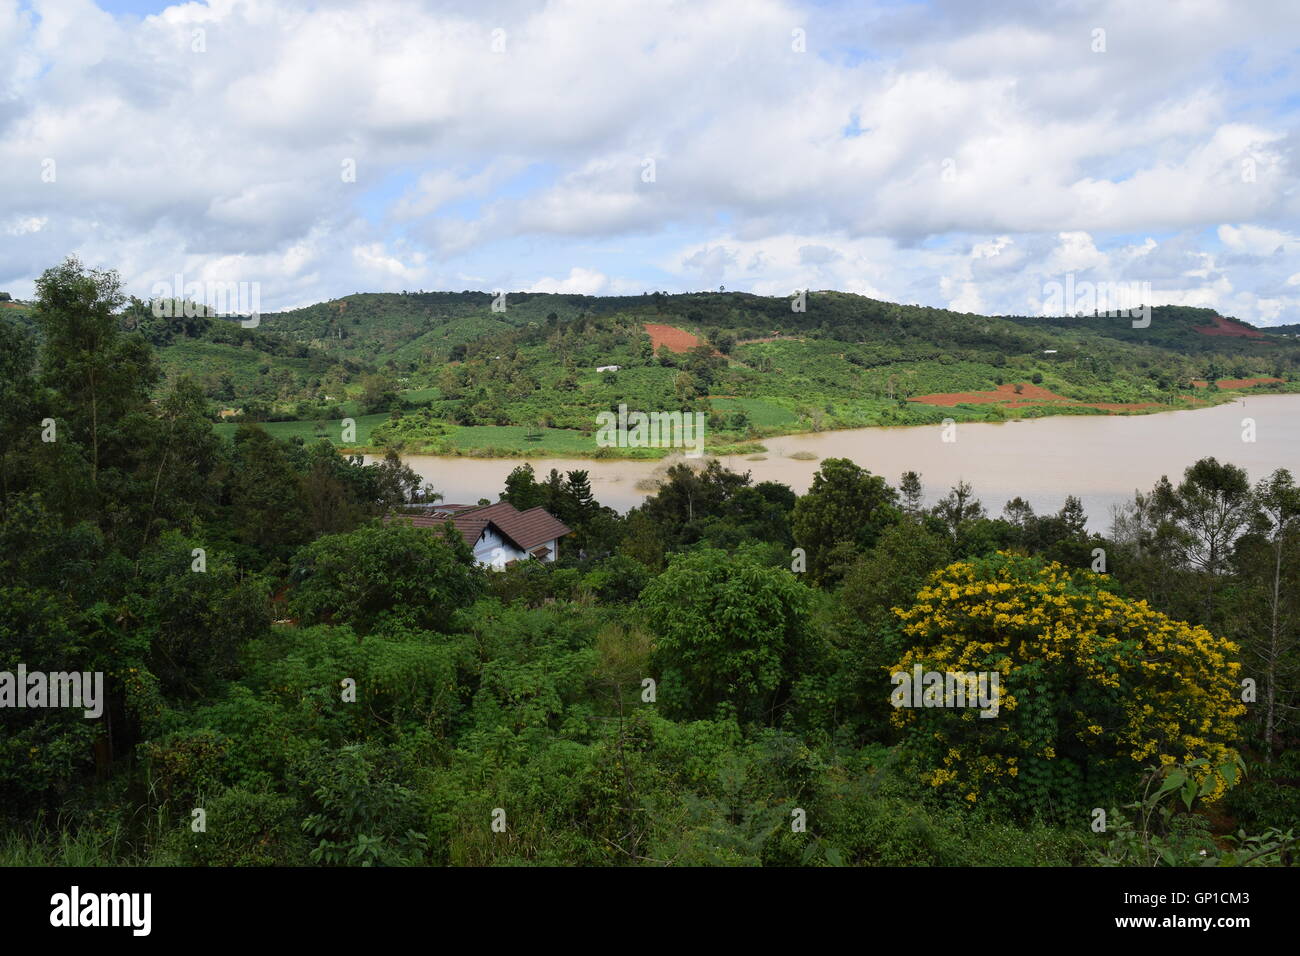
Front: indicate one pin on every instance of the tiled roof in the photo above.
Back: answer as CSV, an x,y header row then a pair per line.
x,y
527,529
530,528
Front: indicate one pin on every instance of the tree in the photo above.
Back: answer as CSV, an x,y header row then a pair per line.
x,y
1268,560
378,392
757,513
577,488
196,623
183,462
268,511
730,631
20,397
890,574
1090,687
385,573
688,497
522,489
643,540
1208,509
1020,513
101,377
450,382
885,578
325,495
910,489
958,509
396,483
842,514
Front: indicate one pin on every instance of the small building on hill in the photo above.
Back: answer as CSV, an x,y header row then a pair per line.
x,y
499,534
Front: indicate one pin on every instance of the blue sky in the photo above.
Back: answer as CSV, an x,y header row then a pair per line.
x,y
960,155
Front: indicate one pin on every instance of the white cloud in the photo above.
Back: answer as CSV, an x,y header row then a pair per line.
x,y
578,282
983,134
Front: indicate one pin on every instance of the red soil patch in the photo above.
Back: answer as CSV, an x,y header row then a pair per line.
x,y
1237,382
1028,395
676,339
1231,328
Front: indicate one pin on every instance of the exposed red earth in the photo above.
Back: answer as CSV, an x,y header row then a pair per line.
x,y
676,339
1232,328
1003,393
1237,382
1028,395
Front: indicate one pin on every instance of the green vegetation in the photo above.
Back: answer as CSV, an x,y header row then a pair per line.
x,y
458,375
707,680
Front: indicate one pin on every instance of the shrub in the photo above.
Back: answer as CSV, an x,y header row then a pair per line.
x,y
729,630
619,578
362,815
244,829
380,572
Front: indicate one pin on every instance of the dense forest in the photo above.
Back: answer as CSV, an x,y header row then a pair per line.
x,y
711,678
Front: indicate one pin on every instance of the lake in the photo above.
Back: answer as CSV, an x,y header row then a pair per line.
x,y
1102,459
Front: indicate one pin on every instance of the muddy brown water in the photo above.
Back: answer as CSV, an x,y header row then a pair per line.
x,y
1102,459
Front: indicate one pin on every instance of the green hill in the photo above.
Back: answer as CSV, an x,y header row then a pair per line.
x,y
452,363
449,372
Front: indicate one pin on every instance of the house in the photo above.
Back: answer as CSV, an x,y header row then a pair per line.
x,y
608,368
499,534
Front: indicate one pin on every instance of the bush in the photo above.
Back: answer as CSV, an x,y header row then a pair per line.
x,y
416,576
244,829
362,815
1270,794
619,578
730,631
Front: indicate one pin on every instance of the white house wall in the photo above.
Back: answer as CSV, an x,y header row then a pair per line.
x,y
496,552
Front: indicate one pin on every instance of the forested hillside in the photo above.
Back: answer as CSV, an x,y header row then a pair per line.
x,y
474,373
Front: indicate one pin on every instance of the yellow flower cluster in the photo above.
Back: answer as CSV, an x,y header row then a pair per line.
x,y
1100,679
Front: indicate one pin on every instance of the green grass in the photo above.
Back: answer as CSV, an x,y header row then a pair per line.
x,y
63,847
763,413
308,430
513,439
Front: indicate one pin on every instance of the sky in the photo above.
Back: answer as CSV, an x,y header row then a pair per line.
x,y
947,153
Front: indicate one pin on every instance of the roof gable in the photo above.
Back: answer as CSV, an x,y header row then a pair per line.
x,y
525,529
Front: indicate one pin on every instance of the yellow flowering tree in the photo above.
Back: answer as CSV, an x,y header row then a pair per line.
x,y
1092,687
